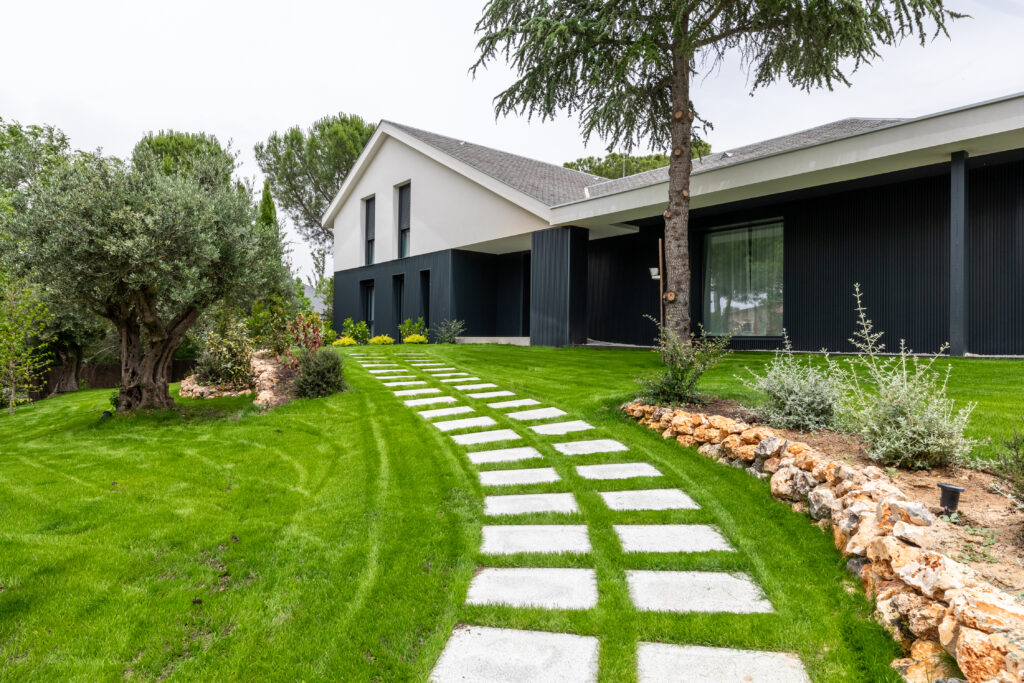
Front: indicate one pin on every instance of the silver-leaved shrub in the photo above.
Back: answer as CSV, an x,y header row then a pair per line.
x,y
800,393
898,404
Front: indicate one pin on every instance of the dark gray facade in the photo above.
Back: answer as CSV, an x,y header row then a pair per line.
x,y
938,251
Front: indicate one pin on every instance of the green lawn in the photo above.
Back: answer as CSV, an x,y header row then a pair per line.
x,y
334,539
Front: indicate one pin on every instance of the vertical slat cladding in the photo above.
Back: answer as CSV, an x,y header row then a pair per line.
x,y
621,291
346,289
995,248
549,287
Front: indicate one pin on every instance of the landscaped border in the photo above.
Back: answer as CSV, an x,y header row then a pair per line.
x,y
924,598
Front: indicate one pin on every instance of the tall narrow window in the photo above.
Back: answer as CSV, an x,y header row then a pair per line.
x,y
425,296
398,291
369,226
369,305
743,272
403,220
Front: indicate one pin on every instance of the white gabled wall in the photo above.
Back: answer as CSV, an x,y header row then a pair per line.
x,y
448,210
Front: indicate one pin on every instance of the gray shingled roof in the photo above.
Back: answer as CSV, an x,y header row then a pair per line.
x,y
545,182
555,185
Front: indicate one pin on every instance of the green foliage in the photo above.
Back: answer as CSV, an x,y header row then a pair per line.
x,y
1010,463
799,394
226,358
411,327
305,168
149,245
321,374
616,165
26,154
268,324
684,363
382,340
23,318
355,330
414,339
448,331
273,246
898,404
612,64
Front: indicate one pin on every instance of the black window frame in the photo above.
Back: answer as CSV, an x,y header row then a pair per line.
x,y
404,220
369,303
369,229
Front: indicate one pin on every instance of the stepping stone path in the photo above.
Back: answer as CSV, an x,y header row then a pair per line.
x,y
478,653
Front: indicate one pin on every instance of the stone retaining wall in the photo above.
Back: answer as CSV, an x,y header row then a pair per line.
x,y
928,601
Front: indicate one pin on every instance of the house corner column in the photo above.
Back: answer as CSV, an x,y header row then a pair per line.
x,y
958,263
558,286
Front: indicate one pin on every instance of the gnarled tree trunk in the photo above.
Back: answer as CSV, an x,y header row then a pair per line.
x,y
677,216
68,379
147,353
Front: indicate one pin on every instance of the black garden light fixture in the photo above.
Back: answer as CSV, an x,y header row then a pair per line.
x,y
950,497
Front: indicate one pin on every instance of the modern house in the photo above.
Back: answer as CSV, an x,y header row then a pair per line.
x,y
927,214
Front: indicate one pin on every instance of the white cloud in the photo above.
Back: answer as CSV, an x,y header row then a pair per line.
x,y
107,72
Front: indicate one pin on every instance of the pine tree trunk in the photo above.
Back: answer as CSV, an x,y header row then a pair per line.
x,y
71,370
677,219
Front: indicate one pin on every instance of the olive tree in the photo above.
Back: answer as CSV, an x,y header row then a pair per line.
x,y
148,244
626,68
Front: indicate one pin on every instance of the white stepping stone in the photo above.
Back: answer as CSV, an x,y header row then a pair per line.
x,y
467,387
530,502
486,437
649,499
546,588
390,371
385,379
413,392
657,591
518,403
509,539
623,470
492,394
670,538
437,369
449,374
538,414
429,401
379,365
591,446
465,423
504,455
562,427
424,365
403,384
459,379
500,655
442,412
539,475
663,663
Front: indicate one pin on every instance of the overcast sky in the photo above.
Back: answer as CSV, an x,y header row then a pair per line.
x,y
107,72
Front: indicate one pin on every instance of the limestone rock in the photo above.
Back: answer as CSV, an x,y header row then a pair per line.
x,y
981,656
790,483
755,435
888,555
771,465
711,450
933,574
867,531
821,500
987,609
770,447
925,663
909,533
686,440
922,615
895,510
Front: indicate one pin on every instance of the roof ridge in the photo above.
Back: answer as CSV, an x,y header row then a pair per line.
x,y
405,126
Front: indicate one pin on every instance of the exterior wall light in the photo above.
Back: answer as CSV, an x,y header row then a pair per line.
x,y
655,273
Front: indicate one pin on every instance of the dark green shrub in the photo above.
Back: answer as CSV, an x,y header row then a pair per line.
x,y
355,330
226,358
321,373
409,328
448,331
685,362
268,324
